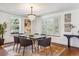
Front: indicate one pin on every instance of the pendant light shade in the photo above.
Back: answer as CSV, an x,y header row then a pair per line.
x,y
31,16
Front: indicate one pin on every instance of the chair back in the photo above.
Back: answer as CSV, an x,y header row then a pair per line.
x,y
45,42
43,34
36,33
42,38
25,42
31,35
16,39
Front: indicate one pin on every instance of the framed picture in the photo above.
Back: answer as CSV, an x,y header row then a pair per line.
x,y
67,27
68,17
27,25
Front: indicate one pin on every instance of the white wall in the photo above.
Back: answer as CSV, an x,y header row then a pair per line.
x,y
21,30
36,25
6,17
61,39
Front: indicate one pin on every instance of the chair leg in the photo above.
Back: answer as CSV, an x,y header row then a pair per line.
x,y
38,48
23,51
32,48
19,49
14,46
51,49
45,51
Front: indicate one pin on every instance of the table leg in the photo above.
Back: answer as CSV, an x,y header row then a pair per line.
x,y
68,42
34,45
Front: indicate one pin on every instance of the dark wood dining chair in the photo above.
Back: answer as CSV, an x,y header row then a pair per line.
x,y
24,42
45,43
1,41
16,42
31,35
36,33
43,34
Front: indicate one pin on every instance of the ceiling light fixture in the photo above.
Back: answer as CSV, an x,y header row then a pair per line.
x,y
31,16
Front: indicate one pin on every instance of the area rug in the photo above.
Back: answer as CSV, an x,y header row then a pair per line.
x,y
56,51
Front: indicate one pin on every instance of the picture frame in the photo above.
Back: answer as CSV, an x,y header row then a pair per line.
x,y
67,27
27,25
68,17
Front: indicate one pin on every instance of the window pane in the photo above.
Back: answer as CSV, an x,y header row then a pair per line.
x,y
50,26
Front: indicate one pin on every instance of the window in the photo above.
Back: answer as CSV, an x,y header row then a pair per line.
x,y
51,26
15,25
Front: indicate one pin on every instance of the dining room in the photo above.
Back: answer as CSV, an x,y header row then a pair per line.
x,y
39,29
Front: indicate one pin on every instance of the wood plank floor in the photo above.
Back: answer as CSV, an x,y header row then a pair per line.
x,y
73,51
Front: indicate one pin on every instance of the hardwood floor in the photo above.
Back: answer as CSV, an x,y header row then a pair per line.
x,y
73,51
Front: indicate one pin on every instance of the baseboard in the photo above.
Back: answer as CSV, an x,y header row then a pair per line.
x,y
8,43
64,45
59,44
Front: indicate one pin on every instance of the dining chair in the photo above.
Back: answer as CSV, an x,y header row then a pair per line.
x,y
45,43
24,42
36,33
1,41
16,42
31,35
43,34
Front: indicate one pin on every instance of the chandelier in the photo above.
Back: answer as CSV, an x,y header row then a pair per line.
x,y
31,16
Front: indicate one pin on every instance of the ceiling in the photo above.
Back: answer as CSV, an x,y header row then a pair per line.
x,y
38,8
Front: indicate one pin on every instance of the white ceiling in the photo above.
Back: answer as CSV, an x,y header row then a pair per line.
x,y
38,8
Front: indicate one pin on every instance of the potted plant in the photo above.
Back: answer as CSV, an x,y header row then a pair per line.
x,y
2,31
